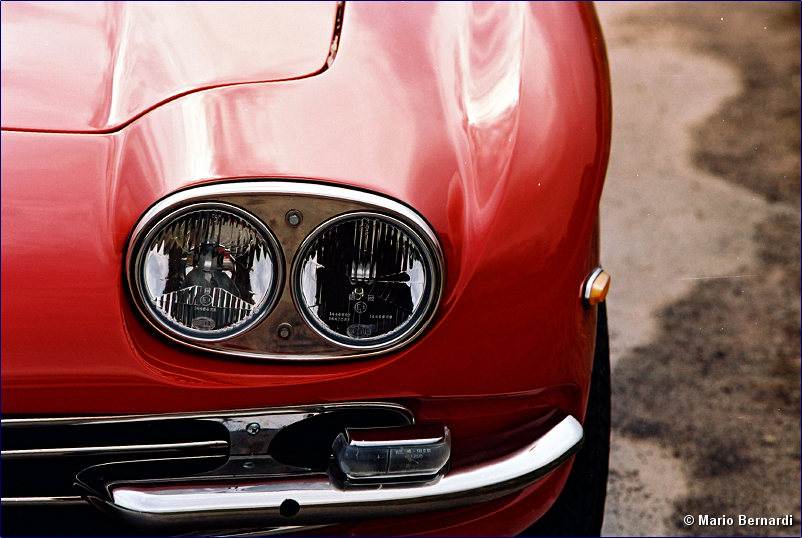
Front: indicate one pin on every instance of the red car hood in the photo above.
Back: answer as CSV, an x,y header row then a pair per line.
x,y
91,67
499,143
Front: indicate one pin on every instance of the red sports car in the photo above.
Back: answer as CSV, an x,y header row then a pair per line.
x,y
303,268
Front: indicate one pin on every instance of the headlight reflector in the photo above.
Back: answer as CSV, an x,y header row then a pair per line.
x,y
365,280
208,271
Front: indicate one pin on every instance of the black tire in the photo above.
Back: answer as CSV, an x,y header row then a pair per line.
x,y
579,511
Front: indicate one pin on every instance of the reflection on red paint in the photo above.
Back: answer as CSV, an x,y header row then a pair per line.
x,y
502,147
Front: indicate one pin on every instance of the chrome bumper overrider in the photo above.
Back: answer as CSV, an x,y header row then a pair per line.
x,y
315,499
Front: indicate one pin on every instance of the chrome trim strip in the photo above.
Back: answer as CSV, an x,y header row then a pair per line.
x,y
96,450
316,500
212,415
42,501
267,186
303,188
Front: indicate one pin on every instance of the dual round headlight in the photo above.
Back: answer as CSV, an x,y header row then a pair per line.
x,y
210,271
363,280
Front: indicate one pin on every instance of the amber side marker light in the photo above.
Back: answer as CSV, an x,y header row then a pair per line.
x,y
595,288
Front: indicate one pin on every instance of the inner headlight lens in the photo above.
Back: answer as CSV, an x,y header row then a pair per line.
x,y
208,271
364,280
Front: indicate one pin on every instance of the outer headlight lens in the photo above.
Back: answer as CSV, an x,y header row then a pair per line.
x,y
365,281
208,271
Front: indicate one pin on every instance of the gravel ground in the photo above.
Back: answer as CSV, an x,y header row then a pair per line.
x,y
701,223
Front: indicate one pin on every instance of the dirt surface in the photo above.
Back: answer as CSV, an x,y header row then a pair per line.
x,y
701,230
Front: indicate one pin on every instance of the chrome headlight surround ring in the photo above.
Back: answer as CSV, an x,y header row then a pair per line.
x,y
282,334
432,262
145,233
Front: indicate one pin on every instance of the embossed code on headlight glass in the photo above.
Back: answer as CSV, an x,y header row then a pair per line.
x,y
208,270
363,279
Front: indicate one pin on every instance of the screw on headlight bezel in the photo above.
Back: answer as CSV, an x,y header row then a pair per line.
x,y
136,267
406,331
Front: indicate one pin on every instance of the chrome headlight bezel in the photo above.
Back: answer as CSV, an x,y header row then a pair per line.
x,y
136,274
407,330
280,332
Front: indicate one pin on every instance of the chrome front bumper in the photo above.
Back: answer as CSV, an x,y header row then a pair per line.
x,y
315,499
